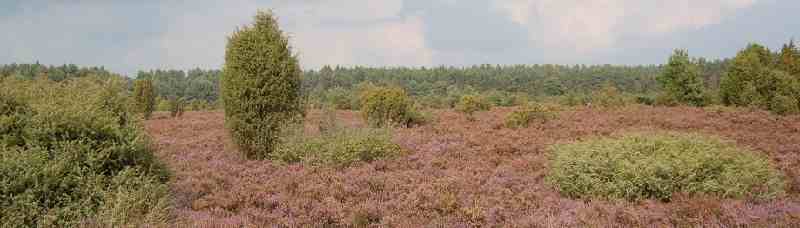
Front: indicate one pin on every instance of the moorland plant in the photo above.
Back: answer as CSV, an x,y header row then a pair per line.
x,y
260,86
639,166
73,153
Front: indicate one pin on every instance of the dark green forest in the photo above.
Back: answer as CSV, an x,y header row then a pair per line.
x,y
503,85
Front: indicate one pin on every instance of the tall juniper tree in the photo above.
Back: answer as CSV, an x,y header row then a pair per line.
x,y
260,85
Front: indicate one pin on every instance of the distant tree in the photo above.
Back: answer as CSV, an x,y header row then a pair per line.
x,y
790,59
260,86
144,96
757,79
681,81
743,84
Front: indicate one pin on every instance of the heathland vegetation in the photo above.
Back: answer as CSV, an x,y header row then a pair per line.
x,y
693,142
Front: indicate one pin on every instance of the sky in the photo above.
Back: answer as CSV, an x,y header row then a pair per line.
x,y
128,36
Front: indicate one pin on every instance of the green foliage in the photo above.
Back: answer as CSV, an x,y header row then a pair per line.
x,y
523,116
341,98
68,148
609,97
754,80
385,106
13,119
341,147
575,99
681,81
144,97
469,104
53,73
645,100
176,106
162,104
199,105
790,59
195,84
658,165
260,86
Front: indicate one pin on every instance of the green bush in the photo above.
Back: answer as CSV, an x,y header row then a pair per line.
x,y
609,97
523,116
144,97
341,147
260,86
469,104
658,165
384,106
176,107
162,104
66,148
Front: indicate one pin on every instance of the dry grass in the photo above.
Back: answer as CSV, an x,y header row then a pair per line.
x,y
463,173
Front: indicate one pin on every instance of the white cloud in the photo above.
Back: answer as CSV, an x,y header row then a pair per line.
x,y
583,26
350,32
399,42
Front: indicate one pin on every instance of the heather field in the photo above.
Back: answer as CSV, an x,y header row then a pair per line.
x,y
454,172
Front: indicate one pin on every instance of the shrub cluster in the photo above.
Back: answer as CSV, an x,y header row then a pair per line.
x,y
340,147
70,153
657,165
260,86
469,104
386,106
523,116
755,78
609,96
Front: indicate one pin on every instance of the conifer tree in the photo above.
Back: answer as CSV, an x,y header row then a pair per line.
x,y
260,86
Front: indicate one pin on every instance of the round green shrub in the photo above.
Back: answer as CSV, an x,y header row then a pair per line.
x,y
658,165
384,106
260,86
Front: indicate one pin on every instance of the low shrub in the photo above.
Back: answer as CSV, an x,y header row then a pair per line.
x,y
342,147
469,104
658,165
527,114
71,151
384,106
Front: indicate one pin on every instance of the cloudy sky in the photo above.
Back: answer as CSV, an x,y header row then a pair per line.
x,y
126,36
